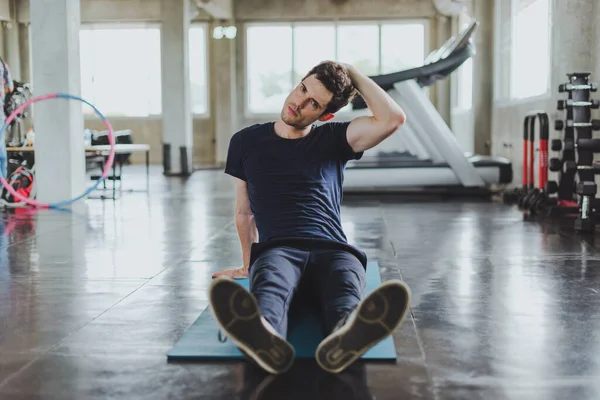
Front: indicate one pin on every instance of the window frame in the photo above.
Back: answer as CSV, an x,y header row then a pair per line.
x,y
336,23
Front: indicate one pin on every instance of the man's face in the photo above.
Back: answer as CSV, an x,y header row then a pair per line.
x,y
306,103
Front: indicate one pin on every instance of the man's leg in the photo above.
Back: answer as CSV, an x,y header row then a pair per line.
x,y
256,320
340,280
274,279
354,323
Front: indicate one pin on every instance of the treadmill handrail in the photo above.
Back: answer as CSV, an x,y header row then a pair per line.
x,y
444,66
448,57
425,75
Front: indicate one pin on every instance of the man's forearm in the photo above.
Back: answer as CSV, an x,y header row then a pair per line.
x,y
383,107
248,234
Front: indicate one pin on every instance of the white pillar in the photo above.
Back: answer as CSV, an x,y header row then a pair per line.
x,y
11,43
58,123
178,140
224,89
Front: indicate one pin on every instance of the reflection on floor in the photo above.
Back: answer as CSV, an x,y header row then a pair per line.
x,y
92,299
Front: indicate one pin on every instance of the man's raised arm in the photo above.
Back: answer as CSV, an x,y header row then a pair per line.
x,y
368,131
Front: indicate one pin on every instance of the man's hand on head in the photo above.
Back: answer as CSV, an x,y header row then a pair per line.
x,y
237,273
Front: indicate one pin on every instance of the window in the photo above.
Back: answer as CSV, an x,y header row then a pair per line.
x,y
530,72
269,78
306,54
374,48
121,69
397,52
522,52
359,45
198,69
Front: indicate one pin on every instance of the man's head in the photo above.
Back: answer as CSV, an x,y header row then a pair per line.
x,y
324,90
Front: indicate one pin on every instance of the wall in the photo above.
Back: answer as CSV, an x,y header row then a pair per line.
x,y
110,10
573,27
331,9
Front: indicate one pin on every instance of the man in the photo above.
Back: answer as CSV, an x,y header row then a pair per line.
x,y
288,176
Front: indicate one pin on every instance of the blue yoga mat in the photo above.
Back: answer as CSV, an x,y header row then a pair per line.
x,y
201,340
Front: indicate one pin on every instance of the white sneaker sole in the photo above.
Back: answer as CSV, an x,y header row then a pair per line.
x,y
237,314
377,316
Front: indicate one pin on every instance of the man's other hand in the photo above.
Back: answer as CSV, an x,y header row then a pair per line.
x,y
238,273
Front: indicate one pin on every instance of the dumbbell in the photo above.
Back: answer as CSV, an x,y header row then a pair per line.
x,y
530,199
551,187
567,87
587,190
555,164
562,104
559,124
586,144
556,145
571,166
539,203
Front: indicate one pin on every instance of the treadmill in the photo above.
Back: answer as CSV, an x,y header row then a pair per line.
x,y
424,154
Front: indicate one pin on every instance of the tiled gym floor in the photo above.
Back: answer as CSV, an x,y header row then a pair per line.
x,y
91,300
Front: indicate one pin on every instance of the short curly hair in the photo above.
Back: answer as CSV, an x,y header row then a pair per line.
x,y
335,78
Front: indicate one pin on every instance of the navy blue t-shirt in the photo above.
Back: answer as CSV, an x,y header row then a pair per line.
x,y
294,185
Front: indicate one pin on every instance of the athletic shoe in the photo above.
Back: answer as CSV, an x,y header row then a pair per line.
x,y
375,318
237,314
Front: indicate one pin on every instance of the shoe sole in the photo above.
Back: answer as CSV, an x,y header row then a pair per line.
x,y
237,314
377,317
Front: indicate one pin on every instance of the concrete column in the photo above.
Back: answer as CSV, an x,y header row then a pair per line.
x,y
11,43
223,89
24,52
58,123
483,75
573,37
178,139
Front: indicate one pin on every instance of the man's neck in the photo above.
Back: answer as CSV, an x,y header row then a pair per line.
x,y
289,132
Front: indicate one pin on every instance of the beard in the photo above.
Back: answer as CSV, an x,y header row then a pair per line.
x,y
291,120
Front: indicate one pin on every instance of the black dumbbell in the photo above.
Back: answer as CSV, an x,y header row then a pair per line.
x,y
586,188
559,125
555,164
567,87
562,104
594,124
556,145
571,166
539,203
530,198
592,145
551,187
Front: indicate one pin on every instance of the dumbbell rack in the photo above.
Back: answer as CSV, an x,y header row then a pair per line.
x,y
576,188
